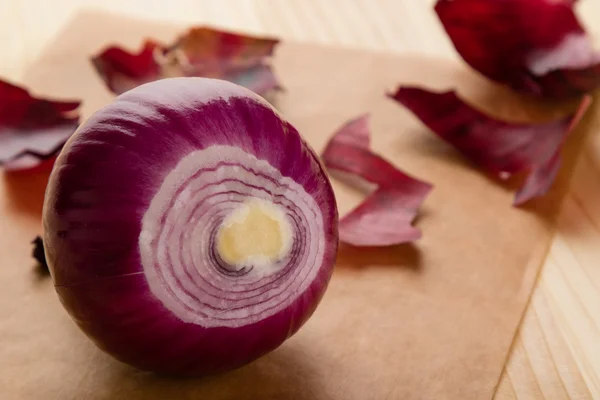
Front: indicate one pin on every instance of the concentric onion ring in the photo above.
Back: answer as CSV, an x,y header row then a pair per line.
x,y
189,228
186,277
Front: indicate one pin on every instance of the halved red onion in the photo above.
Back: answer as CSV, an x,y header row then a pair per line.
x,y
32,129
503,149
384,218
201,51
189,229
534,46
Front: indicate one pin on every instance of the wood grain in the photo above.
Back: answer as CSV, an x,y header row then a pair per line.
x,y
556,354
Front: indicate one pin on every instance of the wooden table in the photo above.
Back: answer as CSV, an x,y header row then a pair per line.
x,y
556,354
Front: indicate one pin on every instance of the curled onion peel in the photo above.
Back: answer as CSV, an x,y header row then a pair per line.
x,y
501,148
189,229
537,47
32,129
201,51
385,217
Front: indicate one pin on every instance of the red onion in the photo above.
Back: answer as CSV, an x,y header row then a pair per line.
x,y
189,229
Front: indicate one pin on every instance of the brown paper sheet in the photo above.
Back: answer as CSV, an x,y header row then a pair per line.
x,y
433,320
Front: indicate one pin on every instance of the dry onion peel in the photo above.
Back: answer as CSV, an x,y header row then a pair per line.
x,y
384,218
534,46
32,129
503,149
203,52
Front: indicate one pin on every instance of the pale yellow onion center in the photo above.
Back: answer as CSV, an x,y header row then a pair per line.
x,y
256,233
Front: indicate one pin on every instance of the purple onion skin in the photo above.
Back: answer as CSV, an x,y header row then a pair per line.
x,y
100,189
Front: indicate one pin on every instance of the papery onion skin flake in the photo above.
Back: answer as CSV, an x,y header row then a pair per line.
x,y
200,51
537,47
189,229
32,129
385,216
502,149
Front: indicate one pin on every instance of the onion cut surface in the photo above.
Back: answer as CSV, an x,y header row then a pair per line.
x,y
189,229
385,217
502,149
534,46
201,51
32,130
